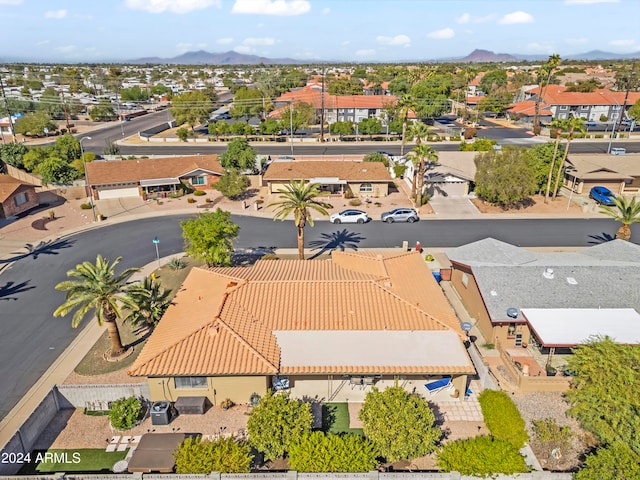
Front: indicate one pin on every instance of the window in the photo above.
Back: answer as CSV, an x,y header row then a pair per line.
x,y
197,181
366,188
20,199
191,382
511,330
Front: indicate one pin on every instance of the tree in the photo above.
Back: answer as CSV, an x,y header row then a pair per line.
x,y
557,125
344,86
239,155
478,145
198,456
103,112
218,128
634,111
624,211
51,104
298,198
100,291
604,390
400,424
269,127
420,156
134,94
612,462
370,126
56,170
278,422
295,117
320,452
494,80
67,147
377,157
539,159
151,301
502,417
241,128
247,103
504,178
12,154
183,134
232,184
191,108
481,456
406,104
545,71
210,237
573,124
34,124
342,128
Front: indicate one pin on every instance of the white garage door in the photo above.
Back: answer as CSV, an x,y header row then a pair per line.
x,y
104,193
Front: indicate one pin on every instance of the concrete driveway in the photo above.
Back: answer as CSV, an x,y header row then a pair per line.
x,y
458,207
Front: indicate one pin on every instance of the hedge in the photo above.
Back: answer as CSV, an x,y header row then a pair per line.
x,y
481,456
502,417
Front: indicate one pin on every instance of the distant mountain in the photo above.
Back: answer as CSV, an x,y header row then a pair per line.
x,y
485,56
207,58
600,55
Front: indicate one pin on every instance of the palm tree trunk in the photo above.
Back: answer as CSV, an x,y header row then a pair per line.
x,y
564,159
624,232
404,132
553,163
114,335
414,181
301,243
421,172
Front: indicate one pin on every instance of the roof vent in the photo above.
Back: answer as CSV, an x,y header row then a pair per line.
x,y
572,281
214,330
494,293
387,284
548,273
232,284
512,312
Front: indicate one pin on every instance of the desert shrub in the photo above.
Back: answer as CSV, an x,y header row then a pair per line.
x,y
85,206
399,170
176,264
191,200
199,193
125,413
355,202
198,456
348,193
226,404
320,452
469,133
502,417
481,456
551,437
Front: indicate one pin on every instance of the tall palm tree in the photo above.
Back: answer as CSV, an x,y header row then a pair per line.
x,y
97,289
151,301
626,212
420,156
547,70
298,198
406,104
559,125
419,131
573,124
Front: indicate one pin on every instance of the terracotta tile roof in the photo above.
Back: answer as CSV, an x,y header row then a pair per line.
x,y
528,107
9,186
126,171
558,95
313,96
344,170
222,320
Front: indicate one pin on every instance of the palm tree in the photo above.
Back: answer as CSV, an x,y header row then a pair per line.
x,y
420,156
626,212
559,125
151,301
406,103
298,198
419,131
573,124
97,289
552,63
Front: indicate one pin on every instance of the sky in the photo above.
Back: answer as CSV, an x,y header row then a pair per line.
x,y
322,30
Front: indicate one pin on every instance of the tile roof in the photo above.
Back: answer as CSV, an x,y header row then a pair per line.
x,y
558,95
313,96
527,107
600,166
126,171
9,186
343,170
222,320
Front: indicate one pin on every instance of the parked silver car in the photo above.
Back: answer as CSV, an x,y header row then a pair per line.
x,y
400,215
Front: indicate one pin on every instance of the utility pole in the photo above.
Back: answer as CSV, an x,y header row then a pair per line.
x,y
626,97
6,106
322,109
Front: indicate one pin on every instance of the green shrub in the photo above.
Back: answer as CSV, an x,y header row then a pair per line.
x,y
191,200
320,452
176,264
481,456
502,417
399,170
199,193
85,206
551,436
254,398
198,456
355,202
125,413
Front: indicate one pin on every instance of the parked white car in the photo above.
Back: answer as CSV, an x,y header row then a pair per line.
x,y
349,216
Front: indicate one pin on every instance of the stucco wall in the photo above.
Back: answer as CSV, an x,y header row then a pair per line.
x,y
238,389
470,295
9,207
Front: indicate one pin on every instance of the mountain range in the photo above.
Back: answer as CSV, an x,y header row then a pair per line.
x,y
207,58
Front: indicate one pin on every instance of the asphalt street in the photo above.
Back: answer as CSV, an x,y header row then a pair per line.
x,y
32,339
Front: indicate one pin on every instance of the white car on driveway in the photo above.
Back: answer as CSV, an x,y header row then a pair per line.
x,y
349,216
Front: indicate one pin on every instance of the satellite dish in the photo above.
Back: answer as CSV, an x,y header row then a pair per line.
x,y
512,312
466,326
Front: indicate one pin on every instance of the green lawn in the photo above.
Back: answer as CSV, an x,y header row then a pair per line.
x,y
74,460
335,419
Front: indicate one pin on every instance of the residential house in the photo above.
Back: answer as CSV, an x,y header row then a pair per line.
x,y
364,179
151,177
452,176
508,289
619,173
525,111
323,329
16,196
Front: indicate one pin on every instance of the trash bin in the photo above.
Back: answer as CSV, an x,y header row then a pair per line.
x,y
161,413
437,276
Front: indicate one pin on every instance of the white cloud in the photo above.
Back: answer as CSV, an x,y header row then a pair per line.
x,y
516,17
398,40
224,41
468,18
576,41
186,47
326,11
442,34
66,49
271,7
588,2
43,42
173,6
57,14
345,43
365,52
622,43
545,47
259,41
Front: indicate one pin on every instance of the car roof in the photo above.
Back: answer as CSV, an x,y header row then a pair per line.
x,y
351,210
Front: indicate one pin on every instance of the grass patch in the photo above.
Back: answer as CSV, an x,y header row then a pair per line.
x,y
91,460
335,419
172,279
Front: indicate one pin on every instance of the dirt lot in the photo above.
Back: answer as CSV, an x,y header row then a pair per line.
x,y
535,205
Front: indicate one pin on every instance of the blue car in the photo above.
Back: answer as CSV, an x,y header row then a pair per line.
x,y
602,195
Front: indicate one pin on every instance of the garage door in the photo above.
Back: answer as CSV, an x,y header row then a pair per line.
x,y
104,193
448,189
613,186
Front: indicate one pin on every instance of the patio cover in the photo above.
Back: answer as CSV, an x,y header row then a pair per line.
x,y
402,349
155,182
568,327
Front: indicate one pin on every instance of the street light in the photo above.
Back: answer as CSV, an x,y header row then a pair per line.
x,y
156,242
615,122
86,177
291,126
